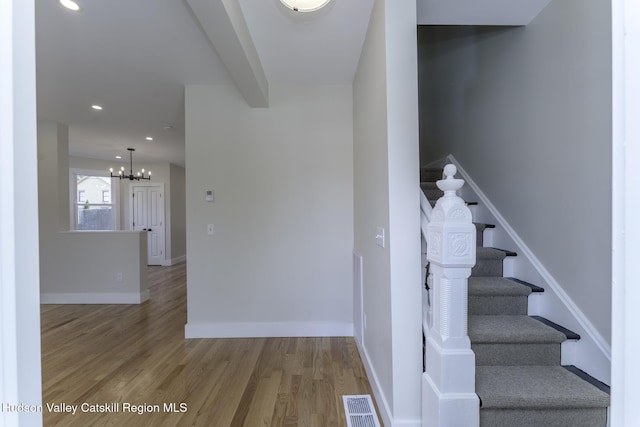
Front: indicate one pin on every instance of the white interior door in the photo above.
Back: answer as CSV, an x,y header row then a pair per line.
x,y
147,214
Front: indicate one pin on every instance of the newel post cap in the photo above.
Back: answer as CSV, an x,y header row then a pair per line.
x,y
451,235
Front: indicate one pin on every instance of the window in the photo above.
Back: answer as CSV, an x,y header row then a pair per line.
x,y
93,193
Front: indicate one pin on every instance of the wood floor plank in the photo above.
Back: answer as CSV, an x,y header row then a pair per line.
x,y
137,355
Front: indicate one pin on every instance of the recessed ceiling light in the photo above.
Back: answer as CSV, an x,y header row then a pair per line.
x,y
305,5
149,138
70,4
118,157
96,107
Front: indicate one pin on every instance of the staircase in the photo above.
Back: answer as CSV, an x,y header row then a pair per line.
x,y
519,377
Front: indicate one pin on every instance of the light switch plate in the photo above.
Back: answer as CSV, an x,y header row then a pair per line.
x,y
210,229
380,236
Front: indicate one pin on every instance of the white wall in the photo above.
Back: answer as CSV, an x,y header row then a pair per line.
x,y
81,267
386,194
279,262
527,112
96,267
19,275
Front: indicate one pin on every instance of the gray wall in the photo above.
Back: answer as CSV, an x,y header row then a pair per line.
x,y
178,211
526,111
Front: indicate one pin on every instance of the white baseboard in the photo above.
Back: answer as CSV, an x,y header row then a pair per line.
x,y
174,261
383,405
591,353
267,330
97,298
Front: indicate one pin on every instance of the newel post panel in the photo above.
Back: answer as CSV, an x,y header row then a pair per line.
x,y
449,397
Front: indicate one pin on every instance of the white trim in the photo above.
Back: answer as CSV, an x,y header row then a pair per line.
x,y
625,388
20,356
358,295
267,329
579,353
383,405
174,261
95,298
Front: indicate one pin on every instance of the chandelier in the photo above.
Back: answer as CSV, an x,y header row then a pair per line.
x,y
131,176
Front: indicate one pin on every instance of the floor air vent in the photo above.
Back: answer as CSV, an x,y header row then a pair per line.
x,y
359,411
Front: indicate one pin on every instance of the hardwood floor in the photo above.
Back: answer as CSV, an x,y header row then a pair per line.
x,y
110,357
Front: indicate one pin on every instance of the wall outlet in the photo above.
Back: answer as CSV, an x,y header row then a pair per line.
x,y
119,277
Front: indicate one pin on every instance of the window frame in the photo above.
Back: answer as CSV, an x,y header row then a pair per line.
x,y
73,195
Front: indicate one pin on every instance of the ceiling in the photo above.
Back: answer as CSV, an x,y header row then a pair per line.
x,y
135,57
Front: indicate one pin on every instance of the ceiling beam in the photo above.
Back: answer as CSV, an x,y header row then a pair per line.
x,y
225,26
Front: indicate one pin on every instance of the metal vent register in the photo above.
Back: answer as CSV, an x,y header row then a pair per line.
x,y
359,411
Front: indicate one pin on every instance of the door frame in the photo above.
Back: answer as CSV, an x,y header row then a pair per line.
x,y
625,227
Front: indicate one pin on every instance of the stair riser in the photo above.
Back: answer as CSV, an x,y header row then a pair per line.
x,y
487,267
497,305
498,354
575,417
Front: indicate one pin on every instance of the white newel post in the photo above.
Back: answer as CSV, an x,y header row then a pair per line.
x,y
449,397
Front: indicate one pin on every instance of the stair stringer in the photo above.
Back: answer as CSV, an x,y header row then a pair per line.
x,y
591,353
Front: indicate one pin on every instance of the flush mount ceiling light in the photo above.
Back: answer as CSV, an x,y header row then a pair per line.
x,y
305,5
96,107
70,4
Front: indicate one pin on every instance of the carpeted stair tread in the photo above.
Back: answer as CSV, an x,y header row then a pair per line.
x,y
543,387
490,254
496,286
489,262
511,329
430,185
430,174
431,191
